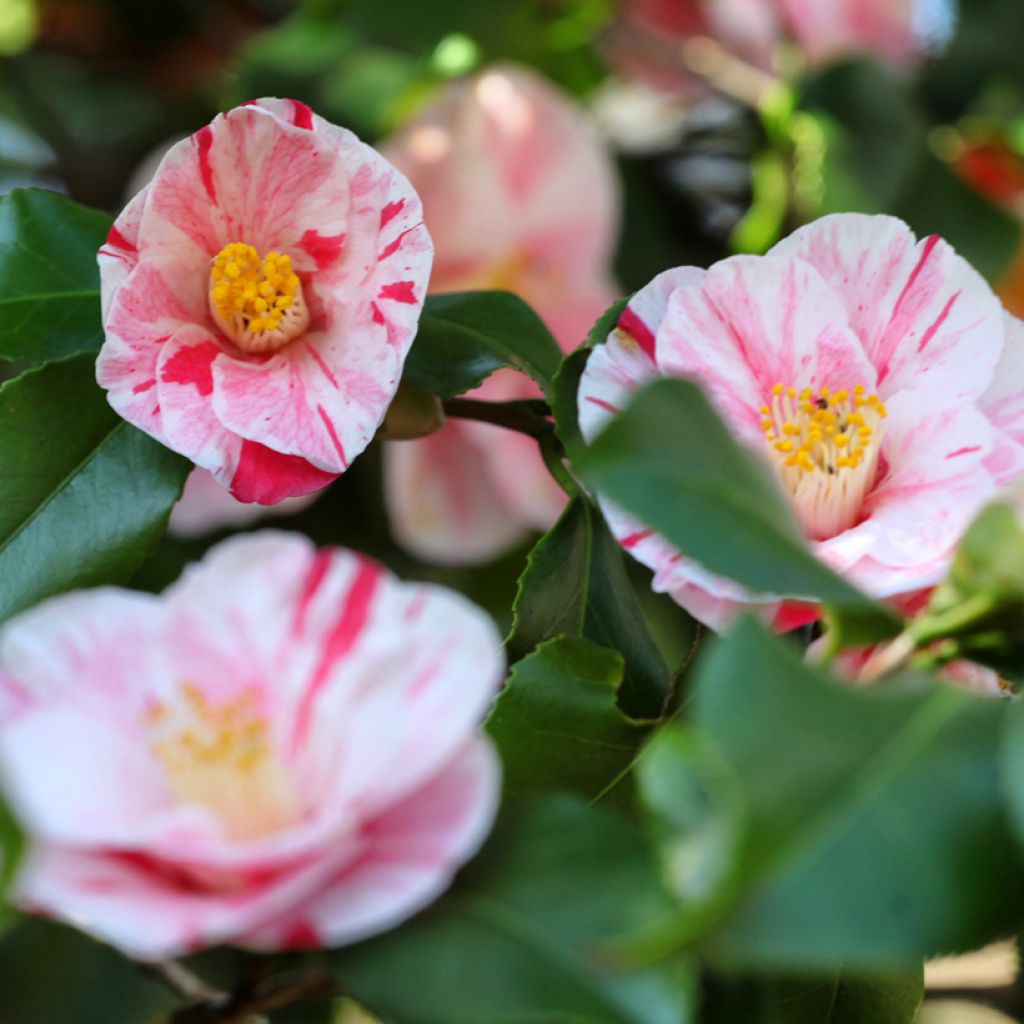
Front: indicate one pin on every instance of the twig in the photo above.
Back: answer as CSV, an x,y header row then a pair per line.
x,y
181,981
530,416
249,1004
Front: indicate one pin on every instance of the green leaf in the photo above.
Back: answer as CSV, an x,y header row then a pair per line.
x,y
871,136
670,461
838,997
12,848
464,337
875,833
85,494
522,933
49,280
53,975
575,584
557,724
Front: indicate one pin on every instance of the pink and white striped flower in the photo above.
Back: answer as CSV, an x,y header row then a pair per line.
x,y
878,374
280,751
520,195
649,36
259,297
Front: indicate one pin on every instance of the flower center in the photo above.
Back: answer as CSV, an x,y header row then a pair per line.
x,y
220,756
257,303
825,448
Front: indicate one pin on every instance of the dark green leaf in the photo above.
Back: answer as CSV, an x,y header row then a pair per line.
x,y
557,724
521,935
670,460
873,132
85,494
465,336
875,828
49,281
835,998
52,975
575,584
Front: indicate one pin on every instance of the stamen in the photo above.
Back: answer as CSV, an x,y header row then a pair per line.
x,y
220,756
257,303
825,447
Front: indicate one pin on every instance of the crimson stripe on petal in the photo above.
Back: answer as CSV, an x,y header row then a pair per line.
x,y
636,328
302,116
335,440
316,575
391,211
940,320
204,143
602,404
343,636
324,249
192,365
114,237
325,369
399,291
964,451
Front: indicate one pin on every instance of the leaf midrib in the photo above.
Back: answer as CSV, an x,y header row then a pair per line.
x,y
81,293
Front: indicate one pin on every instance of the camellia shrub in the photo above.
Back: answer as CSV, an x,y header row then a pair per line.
x,y
732,738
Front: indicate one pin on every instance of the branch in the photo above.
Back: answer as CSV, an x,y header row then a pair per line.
x,y
530,416
248,1004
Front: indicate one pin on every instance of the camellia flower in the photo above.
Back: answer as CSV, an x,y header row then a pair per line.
x,y
649,36
519,195
281,751
205,506
876,373
259,297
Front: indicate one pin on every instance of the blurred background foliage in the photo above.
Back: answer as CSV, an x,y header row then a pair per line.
x,y
91,89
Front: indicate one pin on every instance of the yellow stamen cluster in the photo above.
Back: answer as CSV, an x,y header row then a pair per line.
x,y
827,431
257,302
825,446
221,756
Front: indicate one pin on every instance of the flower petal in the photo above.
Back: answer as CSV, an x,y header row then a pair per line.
x,y
926,318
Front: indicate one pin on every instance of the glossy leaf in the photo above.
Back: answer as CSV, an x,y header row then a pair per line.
x,y
838,997
709,497
875,832
557,724
464,337
93,982
521,934
49,281
575,584
85,494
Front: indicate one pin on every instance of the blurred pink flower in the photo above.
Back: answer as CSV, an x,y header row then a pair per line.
x,y
280,751
878,375
205,506
259,297
518,194
649,35
850,665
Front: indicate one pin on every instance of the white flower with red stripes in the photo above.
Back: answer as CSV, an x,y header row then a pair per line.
x,y
876,373
280,751
260,295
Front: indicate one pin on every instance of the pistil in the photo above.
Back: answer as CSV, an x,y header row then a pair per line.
x,y
258,303
825,446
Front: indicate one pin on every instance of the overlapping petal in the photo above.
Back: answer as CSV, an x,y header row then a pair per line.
x,y
849,300
366,787
273,175
519,194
